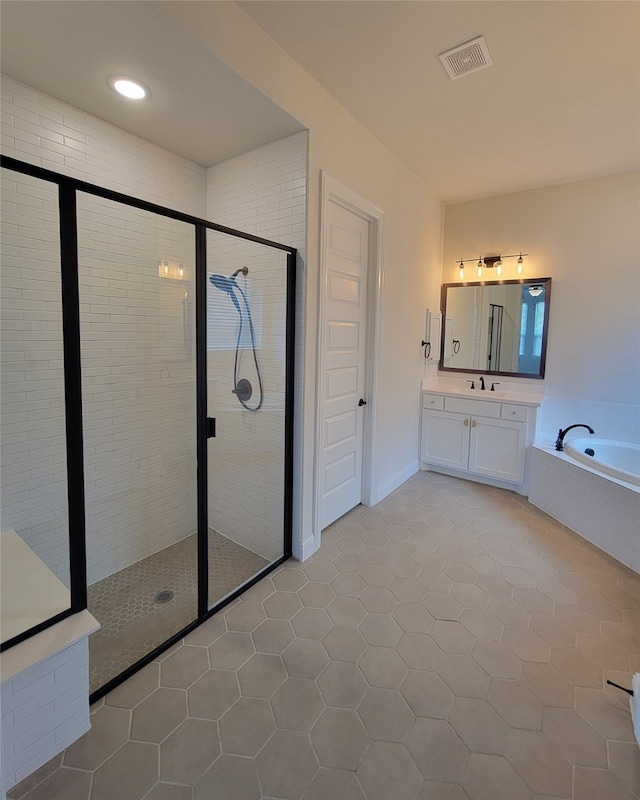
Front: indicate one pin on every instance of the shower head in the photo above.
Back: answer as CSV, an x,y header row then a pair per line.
x,y
222,282
227,283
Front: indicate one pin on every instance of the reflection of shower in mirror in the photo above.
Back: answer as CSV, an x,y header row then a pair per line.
x,y
497,326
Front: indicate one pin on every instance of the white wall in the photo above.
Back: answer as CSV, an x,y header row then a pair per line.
x,y
45,708
412,230
585,236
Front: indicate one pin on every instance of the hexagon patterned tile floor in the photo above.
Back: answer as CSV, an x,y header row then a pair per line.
x,y
133,623
452,642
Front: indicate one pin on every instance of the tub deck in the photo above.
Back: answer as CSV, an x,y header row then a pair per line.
x,y
600,508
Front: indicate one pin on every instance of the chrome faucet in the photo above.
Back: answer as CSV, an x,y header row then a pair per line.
x,y
563,433
482,383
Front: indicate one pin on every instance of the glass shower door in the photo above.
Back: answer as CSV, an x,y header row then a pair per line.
x,y
246,374
137,315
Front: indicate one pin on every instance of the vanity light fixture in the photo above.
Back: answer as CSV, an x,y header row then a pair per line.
x,y
489,262
172,270
129,87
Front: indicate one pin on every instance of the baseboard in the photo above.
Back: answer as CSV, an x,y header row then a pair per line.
x,y
519,488
305,549
398,479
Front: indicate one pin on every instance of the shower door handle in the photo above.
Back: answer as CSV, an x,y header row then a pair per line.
x,y
211,427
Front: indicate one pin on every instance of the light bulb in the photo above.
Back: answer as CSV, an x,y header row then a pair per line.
x,y
166,267
499,267
520,265
461,270
181,270
479,269
128,87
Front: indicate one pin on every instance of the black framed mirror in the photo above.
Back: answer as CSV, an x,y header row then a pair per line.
x,y
496,327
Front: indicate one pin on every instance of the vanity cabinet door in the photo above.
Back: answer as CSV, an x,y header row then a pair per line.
x,y
497,448
445,439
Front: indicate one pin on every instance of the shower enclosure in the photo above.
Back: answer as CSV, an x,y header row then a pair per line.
x,y
169,402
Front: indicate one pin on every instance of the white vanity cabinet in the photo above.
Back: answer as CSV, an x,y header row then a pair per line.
x,y
481,439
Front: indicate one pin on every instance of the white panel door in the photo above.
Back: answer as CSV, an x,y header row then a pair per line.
x,y
343,379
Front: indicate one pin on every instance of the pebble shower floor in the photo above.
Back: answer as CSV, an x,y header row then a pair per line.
x,y
133,622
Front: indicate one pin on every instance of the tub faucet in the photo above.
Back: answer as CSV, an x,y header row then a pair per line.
x,y
563,433
482,382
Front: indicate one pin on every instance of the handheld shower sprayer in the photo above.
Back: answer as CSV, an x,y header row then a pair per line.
x,y
228,283
241,386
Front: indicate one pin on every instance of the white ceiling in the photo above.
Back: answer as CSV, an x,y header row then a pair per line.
x,y
561,101
198,108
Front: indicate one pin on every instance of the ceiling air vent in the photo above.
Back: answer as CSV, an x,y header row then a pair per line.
x,y
466,58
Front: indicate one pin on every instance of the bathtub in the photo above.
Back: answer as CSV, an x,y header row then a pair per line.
x,y
597,497
617,459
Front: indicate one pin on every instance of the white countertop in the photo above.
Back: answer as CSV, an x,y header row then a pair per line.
x,y
450,388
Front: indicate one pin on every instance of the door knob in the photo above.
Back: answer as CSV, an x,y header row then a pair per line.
x,y
362,402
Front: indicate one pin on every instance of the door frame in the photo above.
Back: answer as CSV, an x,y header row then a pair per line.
x,y
333,191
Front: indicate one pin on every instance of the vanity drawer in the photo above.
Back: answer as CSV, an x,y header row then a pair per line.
x,y
435,401
480,408
517,413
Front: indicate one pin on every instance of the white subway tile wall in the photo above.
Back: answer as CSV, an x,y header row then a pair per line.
x,y
139,392
264,193
246,458
137,330
41,130
139,398
44,709
33,460
618,421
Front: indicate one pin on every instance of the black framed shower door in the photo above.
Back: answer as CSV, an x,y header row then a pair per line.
x,y
140,297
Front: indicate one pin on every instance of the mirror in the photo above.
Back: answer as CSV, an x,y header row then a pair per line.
x,y
496,327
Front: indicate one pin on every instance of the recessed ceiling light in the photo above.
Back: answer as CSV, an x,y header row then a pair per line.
x,y
128,87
